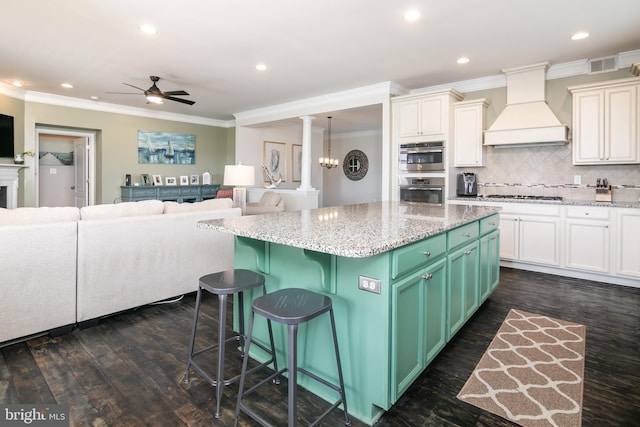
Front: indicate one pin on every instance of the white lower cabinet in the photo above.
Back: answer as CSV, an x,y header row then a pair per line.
x,y
628,243
587,239
530,238
600,243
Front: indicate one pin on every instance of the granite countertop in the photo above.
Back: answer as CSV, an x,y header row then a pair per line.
x,y
564,202
354,231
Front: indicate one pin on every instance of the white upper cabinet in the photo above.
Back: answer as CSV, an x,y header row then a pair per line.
x,y
606,122
469,125
423,117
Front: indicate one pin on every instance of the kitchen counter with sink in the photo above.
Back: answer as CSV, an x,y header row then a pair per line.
x,y
403,278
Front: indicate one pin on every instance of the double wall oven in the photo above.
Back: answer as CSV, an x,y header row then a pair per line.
x,y
415,159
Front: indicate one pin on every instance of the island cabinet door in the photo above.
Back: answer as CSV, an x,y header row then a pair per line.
x,y
463,272
419,324
489,264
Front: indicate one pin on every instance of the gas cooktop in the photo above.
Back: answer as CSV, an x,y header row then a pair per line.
x,y
522,197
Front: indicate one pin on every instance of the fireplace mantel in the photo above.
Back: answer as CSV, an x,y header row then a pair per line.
x,y
9,179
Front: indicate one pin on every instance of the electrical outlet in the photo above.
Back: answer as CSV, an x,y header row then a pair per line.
x,y
577,179
368,284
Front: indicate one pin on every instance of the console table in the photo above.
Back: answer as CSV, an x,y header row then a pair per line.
x,y
177,193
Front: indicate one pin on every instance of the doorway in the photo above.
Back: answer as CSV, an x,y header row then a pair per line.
x,y
65,167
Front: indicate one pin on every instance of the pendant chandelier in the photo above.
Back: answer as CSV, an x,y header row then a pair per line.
x,y
328,162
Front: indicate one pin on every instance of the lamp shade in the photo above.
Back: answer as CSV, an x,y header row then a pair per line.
x,y
239,175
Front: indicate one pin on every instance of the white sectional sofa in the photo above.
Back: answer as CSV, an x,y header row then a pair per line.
x,y
62,266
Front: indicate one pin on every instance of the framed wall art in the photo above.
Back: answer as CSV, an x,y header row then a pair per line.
x,y
184,180
157,180
170,180
274,160
296,162
144,179
166,148
195,179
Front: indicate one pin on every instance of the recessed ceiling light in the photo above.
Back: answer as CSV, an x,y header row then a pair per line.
x,y
148,29
580,36
95,98
261,67
463,60
17,83
412,15
67,85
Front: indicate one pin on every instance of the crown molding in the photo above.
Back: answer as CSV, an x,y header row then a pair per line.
x,y
105,107
358,97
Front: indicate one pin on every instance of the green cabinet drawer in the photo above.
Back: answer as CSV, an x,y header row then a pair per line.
x,y
461,235
168,191
209,190
487,225
189,191
410,257
138,192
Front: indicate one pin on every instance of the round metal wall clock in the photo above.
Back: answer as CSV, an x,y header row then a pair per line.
x,y
355,165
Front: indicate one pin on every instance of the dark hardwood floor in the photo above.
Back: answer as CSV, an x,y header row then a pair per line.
x,y
128,370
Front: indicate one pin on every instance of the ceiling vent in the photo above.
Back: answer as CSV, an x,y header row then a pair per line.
x,y
603,65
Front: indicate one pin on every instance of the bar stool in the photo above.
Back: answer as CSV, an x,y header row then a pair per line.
x,y
291,307
223,284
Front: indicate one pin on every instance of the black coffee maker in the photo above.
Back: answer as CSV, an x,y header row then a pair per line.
x,y
467,184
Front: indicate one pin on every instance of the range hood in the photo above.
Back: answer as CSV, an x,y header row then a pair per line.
x,y
527,119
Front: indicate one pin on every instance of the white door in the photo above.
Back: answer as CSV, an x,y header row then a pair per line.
x,y
81,183
81,176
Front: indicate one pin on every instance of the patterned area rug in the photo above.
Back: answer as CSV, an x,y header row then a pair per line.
x,y
532,372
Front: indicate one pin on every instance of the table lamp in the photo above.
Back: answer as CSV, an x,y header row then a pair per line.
x,y
239,176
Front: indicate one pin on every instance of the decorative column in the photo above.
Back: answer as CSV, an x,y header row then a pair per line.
x,y
305,178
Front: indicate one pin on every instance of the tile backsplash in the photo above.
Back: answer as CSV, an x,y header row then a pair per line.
x,y
548,171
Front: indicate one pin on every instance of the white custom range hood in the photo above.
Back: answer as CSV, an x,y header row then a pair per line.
x,y
527,119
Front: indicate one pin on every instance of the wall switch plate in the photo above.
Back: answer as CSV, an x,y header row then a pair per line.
x,y
368,284
577,179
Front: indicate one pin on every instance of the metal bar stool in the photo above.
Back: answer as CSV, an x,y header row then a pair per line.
x,y
223,284
291,307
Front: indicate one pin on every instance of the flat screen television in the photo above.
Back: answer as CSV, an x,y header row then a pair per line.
x,y
6,136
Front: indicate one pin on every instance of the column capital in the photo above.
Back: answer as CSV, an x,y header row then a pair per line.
x,y
307,118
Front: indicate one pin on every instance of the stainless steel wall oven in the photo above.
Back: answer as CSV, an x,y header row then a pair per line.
x,y
425,190
421,157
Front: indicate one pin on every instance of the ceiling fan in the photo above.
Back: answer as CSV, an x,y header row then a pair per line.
x,y
155,96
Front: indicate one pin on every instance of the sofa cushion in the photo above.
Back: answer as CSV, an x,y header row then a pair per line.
x,y
205,205
270,199
118,210
43,215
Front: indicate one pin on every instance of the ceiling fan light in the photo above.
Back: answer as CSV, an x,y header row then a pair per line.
x,y
154,99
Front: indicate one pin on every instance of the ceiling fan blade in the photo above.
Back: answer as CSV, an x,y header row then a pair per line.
x,y
184,101
175,92
135,87
123,93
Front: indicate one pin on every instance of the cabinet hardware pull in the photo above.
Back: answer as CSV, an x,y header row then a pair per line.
x,y
427,253
467,252
467,235
427,276
606,226
492,238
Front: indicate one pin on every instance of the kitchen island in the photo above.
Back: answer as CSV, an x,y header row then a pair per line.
x,y
403,277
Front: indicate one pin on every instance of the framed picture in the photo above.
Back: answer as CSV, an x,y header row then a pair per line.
x,y
274,160
144,179
296,162
195,179
170,180
157,180
184,180
166,148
